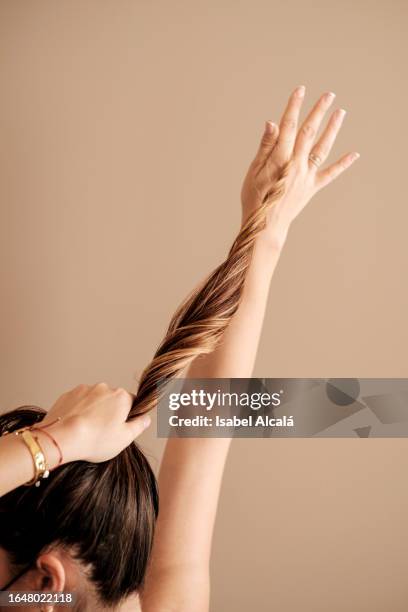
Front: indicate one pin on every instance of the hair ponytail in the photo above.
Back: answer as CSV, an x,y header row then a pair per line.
x,y
202,318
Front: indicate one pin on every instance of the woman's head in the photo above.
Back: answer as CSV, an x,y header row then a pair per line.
x,y
89,524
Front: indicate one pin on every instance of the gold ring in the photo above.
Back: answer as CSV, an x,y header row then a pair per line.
x,y
315,159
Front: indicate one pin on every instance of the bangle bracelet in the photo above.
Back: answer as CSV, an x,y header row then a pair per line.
x,y
37,454
53,440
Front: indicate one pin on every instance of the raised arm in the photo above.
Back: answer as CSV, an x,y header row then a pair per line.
x,y
286,168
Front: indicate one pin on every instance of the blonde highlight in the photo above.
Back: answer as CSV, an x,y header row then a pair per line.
x,y
200,321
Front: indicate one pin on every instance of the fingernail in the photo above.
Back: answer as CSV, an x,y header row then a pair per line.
x,y
356,155
146,422
330,95
300,91
269,127
341,112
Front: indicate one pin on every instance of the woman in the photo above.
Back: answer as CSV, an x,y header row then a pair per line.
x,y
89,526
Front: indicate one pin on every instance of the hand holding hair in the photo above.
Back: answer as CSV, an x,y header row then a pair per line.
x,y
89,422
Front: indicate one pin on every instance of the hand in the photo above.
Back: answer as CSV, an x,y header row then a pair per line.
x,y
92,425
284,143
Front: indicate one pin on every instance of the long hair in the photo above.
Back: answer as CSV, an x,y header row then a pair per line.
x,y
201,320
104,513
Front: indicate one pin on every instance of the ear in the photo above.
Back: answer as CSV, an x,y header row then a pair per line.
x,y
49,575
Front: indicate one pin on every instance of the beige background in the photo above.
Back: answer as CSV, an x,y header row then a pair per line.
x,y
126,129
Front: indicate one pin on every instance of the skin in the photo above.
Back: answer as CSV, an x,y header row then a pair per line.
x,y
191,470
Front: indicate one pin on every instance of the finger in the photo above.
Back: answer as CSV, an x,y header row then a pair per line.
x,y
311,124
268,142
322,148
121,391
137,426
327,175
124,399
289,122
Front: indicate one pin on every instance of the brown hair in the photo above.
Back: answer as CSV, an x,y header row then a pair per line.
x,y
101,513
104,513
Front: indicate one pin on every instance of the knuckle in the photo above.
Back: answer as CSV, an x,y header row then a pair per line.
x,y
308,130
289,123
100,386
81,387
321,154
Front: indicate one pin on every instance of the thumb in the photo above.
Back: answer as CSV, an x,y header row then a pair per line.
x,y
137,426
269,139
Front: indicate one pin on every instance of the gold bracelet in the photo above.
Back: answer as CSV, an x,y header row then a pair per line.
x,y
37,454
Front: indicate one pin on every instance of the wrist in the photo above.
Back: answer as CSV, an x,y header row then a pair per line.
x,y
271,243
271,240
51,453
60,451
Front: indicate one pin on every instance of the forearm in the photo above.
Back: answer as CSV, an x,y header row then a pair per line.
x,y
235,355
16,462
